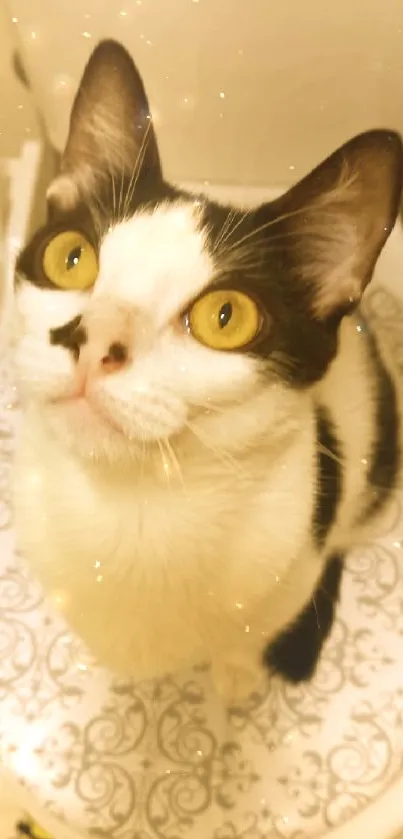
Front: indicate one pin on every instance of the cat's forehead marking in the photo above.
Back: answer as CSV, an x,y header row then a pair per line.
x,y
158,257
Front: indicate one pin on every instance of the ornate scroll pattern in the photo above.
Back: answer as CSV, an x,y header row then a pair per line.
x,y
163,760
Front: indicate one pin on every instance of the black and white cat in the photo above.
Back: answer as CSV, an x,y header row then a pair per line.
x,y
207,427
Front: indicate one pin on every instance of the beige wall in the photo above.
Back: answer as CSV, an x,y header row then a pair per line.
x,y
298,77
17,113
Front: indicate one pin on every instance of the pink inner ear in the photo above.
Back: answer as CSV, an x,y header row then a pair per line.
x,y
63,193
330,254
340,216
340,289
110,126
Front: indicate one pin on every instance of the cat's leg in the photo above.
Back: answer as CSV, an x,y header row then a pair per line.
x,y
295,653
236,676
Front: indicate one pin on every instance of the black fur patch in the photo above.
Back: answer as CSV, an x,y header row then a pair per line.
x,y
298,346
268,252
295,653
384,461
71,335
81,218
329,475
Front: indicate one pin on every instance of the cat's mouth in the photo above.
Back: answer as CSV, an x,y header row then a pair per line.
x,y
90,415
80,409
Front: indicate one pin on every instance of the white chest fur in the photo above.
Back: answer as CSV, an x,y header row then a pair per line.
x,y
157,574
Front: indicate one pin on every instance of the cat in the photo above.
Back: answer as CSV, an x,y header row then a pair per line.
x,y
208,425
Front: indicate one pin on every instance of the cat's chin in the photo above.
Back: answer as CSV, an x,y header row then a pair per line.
x,y
92,434
88,432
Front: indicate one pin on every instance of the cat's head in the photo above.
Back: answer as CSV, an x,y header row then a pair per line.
x,y
149,314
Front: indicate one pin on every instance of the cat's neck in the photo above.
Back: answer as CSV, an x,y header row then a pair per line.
x,y
239,448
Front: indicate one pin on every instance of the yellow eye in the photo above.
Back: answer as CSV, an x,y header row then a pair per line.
x,y
224,320
70,262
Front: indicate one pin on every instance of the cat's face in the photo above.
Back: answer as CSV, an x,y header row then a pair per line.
x,y
119,362
149,315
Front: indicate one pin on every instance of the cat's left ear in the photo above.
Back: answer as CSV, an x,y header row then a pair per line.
x,y
337,220
111,132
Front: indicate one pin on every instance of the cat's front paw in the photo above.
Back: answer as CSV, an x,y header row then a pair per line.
x,y
234,683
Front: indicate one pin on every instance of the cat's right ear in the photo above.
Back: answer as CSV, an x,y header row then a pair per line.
x,y
111,133
337,219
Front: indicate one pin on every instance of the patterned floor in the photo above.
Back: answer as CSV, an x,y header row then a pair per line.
x,y
9,816
10,813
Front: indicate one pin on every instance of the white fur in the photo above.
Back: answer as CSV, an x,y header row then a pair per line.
x,y
171,510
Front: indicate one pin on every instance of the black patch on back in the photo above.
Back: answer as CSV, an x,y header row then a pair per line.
x,y
295,653
329,475
385,459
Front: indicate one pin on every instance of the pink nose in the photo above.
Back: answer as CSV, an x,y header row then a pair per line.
x,y
109,329
115,358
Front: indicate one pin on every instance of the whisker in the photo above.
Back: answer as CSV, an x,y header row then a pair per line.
x,y
122,176
112,174
98,211
226,227
165,465
175,462
227,223
137,168
223,456
329,453
210,407
272,222
143,459
254,256
232,230
316,612
114,208
266,225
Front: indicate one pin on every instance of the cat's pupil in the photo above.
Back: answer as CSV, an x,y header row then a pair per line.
x,y
225,315
73,258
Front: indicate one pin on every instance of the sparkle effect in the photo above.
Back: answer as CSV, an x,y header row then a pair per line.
x,y
26,763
